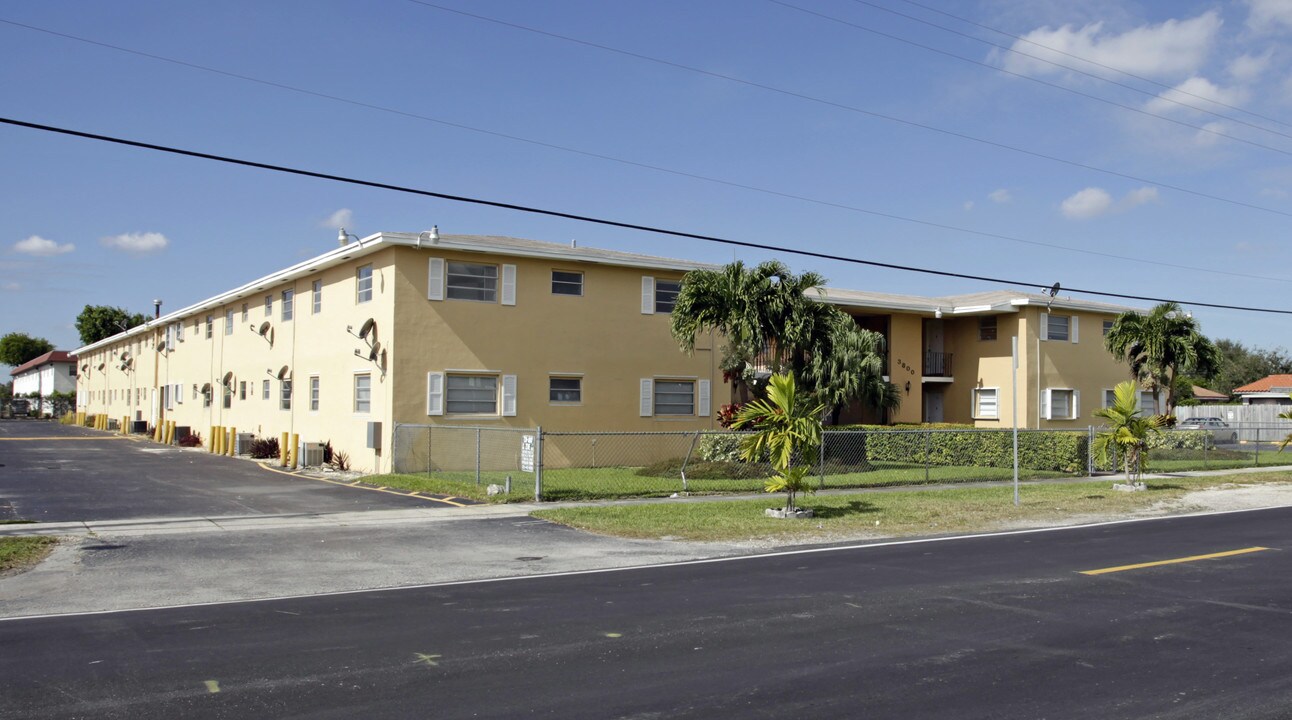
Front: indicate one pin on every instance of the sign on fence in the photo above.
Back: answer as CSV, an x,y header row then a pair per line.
x,y
527,453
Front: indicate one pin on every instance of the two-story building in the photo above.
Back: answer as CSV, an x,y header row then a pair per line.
x,y
40,377
503,332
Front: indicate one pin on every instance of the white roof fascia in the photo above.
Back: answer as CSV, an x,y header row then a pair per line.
x,y
480,245
1069,304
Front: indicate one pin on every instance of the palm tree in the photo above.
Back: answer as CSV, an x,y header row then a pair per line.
x,y
1161,346
847,365
787,427
1127,432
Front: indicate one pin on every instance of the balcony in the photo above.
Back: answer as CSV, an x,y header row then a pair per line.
x,y
937,364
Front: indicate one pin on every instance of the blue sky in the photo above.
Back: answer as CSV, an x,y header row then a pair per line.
x,y
85,222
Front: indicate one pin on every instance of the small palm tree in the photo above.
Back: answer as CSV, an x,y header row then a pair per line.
x,y
787,428
1287,440
1127,432
1160,346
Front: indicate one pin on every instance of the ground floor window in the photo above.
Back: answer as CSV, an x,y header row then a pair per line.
x,y
986,403
1061,404
362,393
472,394
565,390
674,397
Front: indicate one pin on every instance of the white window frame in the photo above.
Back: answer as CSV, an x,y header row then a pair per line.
x,y
264,391
315,393
210,326
367,402
491,293
363,284
1047,319
1108,396
504,404
1074,404
269,307
564,376
1140,398
285,395
1108,326
976,403
289,305
246,312
228,321
701,397
316,299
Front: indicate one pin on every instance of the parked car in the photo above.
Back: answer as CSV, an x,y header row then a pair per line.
x,y
19,407
1219,429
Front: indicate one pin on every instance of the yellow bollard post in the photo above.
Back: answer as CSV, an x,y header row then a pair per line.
x,y
282,451
233,442
125,425
170,433
296,441
222,441
157,432
210,441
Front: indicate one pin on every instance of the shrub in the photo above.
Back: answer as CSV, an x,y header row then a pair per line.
x,y
327,453
264,448
718,448
1178,440
727,414
68,419
341,461
193,439
1055,451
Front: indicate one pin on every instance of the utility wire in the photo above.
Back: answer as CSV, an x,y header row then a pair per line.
x,y
600,221
861,111
1071,55
634,163
1047,83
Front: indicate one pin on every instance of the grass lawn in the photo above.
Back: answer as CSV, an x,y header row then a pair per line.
x,y
914,512
18,553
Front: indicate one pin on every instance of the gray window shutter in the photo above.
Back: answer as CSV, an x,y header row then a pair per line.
x,y
434,393
648,295
702,406
509,285
647,397
1044,330
1045,404
1076,403
509,395
1073,329
435,279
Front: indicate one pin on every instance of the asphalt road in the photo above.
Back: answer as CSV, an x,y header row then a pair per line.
x,y
988,627
82,474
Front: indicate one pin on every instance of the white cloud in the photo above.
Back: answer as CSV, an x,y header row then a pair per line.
x,y
11,287
137,243
968,205
1246,68
37,245
1000,196
1267,15
339,219
1094,202
1196,91
1209,135
1171,48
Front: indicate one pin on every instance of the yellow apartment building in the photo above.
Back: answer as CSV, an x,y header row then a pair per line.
x,y
510,333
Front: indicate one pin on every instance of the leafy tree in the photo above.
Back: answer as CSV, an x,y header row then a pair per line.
x,y
17,348
847,365
1127,432
97,322
1240,365
1160,346
787,430
6,392
61,403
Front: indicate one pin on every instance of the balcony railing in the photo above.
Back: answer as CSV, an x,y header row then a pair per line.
x,y
937,364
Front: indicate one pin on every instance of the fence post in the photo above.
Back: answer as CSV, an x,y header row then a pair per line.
x,y
928,438
685,461
1206,445
538,464
477,457
430,433
821,459
1090,451
1257,461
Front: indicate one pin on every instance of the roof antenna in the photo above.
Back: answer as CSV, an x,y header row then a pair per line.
x,y
1052,292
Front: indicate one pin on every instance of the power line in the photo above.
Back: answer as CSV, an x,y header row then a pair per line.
x,y
861,111
632,163
1078,57
1047,83
601,221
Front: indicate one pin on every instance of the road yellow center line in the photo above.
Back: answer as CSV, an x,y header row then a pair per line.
x,y
1191,558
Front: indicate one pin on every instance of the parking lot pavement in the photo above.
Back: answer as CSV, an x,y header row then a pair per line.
x,y
51,472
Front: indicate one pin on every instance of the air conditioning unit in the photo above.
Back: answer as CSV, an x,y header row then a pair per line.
x,y
242,443
311,454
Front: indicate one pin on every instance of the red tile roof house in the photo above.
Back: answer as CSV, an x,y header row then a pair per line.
x,y
55,371
1205,396
1271,390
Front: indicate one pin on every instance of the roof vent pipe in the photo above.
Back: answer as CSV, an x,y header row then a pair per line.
x,y
156,309
574,243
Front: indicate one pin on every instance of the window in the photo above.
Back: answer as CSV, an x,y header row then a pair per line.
x,y
666,295
1056,327
362,393
472,394
285,402
317,289
242,390
269,306
265,390
287,304
314,394
1147,403
210,326
228,396
673,397
363,284
565,390
986,403
987,327
245,314
567,283
1110,397
228,321
1108,326
1059,404
472,281
71,370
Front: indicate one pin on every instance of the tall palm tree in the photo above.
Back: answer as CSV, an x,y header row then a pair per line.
x,y
847,365
1127,432
1160,346
787,425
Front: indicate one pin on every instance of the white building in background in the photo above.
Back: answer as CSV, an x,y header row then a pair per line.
x,y
55,371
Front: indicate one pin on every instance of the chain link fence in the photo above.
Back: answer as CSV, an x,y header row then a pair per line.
x,y
532,463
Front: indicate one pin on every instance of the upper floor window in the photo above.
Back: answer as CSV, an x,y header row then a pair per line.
x,y
228,321
471,281
1108,326
1057,326
987,327
317,290
567,283
666,292
363,284
362,393
245,313
210,326
287,304
269,306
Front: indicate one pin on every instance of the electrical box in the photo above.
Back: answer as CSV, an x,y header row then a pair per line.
x,y
311,454
242,443
182,431
374,436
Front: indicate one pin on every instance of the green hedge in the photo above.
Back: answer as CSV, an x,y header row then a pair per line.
x,y
1056,451
1178,440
